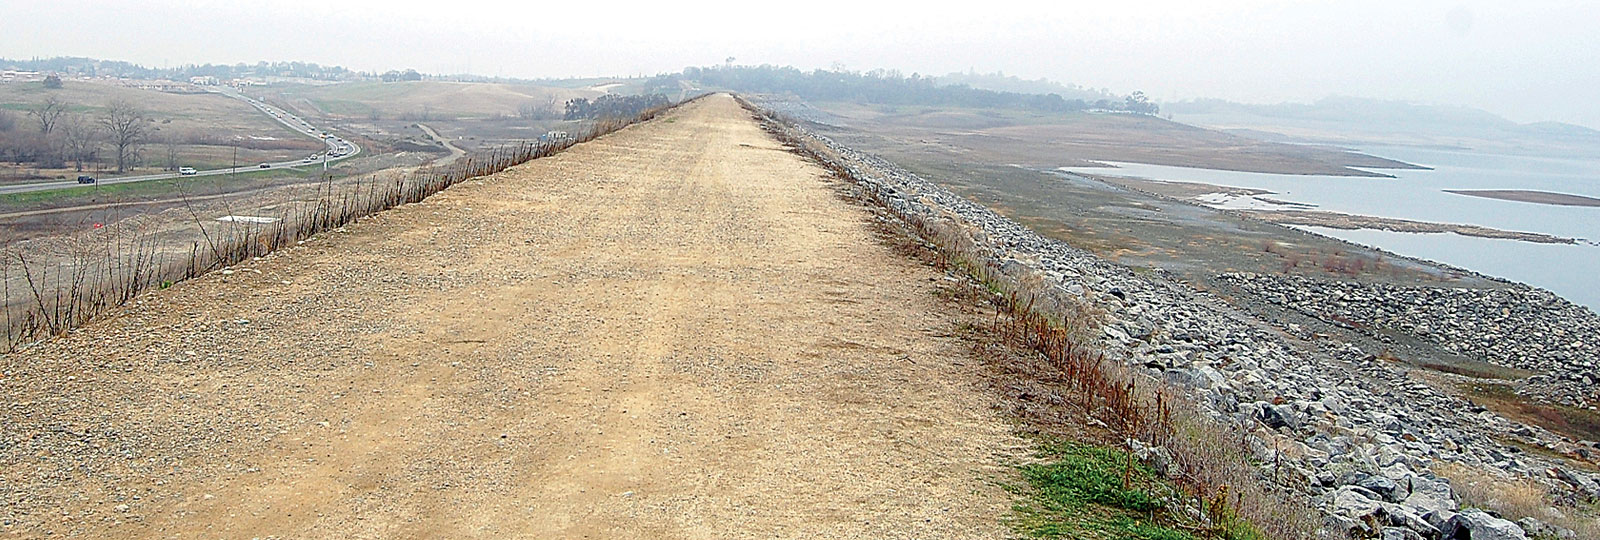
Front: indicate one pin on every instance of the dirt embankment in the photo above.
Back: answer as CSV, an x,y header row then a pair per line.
x,y
676,331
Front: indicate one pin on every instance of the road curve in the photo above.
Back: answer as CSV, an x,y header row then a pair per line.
x,y
455,151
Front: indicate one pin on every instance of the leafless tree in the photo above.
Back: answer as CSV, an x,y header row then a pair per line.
x,y
48,114
528,111
126,127
80,140
170,145
536,110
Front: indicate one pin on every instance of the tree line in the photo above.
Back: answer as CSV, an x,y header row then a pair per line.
x,y
91,67
51,134
886,88
613,106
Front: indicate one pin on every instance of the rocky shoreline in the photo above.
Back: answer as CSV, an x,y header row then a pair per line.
x,y
1356,433
1517,327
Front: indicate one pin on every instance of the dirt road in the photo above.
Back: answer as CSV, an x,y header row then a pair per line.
x,y
677,331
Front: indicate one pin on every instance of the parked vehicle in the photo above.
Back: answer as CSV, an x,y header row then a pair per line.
x,y
85,179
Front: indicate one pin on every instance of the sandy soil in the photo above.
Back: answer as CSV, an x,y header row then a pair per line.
x,y
677,331
1353,221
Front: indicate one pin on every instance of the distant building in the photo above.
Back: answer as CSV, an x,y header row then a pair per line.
x,y
203,80
170,87
12,75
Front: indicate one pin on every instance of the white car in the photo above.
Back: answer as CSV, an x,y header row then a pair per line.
x,y
187,171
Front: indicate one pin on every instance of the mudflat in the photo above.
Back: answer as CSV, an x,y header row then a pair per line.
x,y
1530,196
677,331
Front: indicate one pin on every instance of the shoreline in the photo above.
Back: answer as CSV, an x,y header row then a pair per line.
x,y
1294,213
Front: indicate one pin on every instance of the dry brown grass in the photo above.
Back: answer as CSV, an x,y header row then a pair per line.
x,y
1517,498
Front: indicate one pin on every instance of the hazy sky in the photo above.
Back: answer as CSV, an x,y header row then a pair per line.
x,y
1528,60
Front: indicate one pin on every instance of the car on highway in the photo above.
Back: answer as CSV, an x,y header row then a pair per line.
x,y
85,179
187,171
266,165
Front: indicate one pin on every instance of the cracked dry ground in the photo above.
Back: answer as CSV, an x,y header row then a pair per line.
x,y
677,331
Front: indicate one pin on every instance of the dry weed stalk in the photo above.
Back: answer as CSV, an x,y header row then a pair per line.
x,y
110,267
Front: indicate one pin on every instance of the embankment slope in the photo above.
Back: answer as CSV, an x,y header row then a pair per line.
x,y
676,331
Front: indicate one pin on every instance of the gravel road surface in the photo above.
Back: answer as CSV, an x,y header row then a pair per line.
x,y
676,331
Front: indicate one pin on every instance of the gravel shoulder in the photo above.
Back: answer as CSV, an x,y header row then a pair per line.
x,y
676,331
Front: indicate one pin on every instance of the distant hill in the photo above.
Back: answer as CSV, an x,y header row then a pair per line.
x,y
1350,119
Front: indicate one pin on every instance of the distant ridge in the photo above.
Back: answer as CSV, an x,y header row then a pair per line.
x,y
1452,119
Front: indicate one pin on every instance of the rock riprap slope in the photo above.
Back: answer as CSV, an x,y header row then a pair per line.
x,y
1518,327
676,331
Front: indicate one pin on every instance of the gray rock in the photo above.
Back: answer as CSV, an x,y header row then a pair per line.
x,y
1342,527
1583,482
1430,495
1397,533
1534,527
1355,503
1280,417
1400,516
1382,486
1439,518
1479,525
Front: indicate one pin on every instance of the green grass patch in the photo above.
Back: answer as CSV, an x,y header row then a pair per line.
x,y
1089,492
1082,491
172,186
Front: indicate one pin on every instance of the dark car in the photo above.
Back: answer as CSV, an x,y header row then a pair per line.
x,y
266,165
85,179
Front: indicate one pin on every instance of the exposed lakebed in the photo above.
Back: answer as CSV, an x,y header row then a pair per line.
x,y
1420,195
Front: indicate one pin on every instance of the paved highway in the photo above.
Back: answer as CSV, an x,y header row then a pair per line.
x,y
338,149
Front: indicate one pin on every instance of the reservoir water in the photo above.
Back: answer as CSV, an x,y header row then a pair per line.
x,y
1572,271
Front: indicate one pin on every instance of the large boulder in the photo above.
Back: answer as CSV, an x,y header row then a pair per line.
x,y
1400,516
1476,524
1383,486
1280,417
1355,503
1429,494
